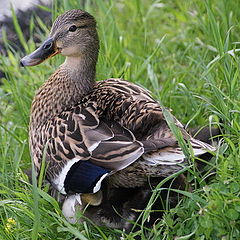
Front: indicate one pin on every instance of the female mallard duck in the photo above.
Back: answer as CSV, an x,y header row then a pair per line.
x,y
88,131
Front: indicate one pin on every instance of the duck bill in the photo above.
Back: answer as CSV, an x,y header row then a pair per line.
x,y
45,51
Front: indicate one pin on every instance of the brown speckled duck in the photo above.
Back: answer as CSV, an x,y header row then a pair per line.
x,y
90,131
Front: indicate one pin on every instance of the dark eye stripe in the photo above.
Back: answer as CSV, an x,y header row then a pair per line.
x,y
83,26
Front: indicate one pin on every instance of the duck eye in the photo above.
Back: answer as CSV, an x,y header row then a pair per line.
x,y
73,28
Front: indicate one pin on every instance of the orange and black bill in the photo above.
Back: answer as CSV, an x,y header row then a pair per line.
x,y
45,51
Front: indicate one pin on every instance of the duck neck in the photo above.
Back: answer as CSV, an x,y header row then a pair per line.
x,y
65,88
81,73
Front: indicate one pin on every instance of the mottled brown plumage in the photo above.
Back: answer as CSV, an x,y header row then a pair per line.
x,y
111,129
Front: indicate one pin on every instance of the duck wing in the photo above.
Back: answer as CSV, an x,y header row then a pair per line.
x,y
82,150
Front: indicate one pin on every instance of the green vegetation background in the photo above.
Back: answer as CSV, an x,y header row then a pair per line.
x,y
186,53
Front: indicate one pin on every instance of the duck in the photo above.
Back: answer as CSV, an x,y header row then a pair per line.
x,y
88,132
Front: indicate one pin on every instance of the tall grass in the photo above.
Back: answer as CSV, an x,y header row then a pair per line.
x,y
186,53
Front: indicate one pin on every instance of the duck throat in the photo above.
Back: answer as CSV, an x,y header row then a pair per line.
x,y
74,79
81,72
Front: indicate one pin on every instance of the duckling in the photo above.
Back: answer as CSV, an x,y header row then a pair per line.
x,y
90,131
121,207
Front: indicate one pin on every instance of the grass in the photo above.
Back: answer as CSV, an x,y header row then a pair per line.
x,y
186,53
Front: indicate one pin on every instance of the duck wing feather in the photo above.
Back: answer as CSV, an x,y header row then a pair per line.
x,y
84,149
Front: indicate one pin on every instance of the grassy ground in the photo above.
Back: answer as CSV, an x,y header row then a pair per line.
x,y
186,53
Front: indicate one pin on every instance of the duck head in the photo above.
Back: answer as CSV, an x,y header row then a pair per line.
x,y
73,35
